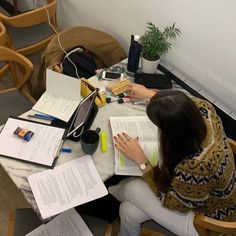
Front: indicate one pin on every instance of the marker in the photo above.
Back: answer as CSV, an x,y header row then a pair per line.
x,y
123,100
67,150
109,100
103,141
142,102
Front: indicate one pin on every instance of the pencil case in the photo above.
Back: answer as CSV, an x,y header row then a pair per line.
x,y
87,88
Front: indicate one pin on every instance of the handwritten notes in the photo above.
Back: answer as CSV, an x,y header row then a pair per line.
x,y
42,147
62,96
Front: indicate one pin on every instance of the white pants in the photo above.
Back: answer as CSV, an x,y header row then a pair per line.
x,y
139,203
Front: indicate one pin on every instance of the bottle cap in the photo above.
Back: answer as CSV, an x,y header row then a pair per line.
x,y
136,37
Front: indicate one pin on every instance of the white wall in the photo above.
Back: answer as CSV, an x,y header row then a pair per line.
x,y
205,53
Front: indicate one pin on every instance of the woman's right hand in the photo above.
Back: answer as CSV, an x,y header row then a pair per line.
x,y
140,91
130,147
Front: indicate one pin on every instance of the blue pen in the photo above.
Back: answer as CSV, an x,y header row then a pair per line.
x,y
43,117
68,150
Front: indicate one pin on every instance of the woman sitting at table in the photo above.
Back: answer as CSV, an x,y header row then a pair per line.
x,y
195,173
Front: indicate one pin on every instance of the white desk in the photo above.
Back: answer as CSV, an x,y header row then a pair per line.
x,y
19,171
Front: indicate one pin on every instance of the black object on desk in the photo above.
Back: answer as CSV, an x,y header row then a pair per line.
x,y
159,81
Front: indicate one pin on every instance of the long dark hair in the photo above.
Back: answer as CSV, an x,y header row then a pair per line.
x,y
181,131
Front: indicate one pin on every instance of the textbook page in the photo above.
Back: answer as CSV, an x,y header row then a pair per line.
x,y
42,148
62,96
68,223
66,186
146,131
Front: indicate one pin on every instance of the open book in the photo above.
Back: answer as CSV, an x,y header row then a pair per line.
x,y
68,185
135,126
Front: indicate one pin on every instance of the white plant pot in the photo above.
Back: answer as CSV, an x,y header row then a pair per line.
x,y
149,67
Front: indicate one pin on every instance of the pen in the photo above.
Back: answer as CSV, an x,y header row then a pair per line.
x,y
43,117
68,150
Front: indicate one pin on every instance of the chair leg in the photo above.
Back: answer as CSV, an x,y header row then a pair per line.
x,y
10,224
108,230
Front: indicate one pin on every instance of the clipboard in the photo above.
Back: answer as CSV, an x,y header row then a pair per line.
x,y
42,149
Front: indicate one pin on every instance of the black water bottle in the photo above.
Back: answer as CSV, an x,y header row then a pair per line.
x,y
134,53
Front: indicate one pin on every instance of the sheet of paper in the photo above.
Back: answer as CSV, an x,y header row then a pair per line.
x,y
59,84
68,223
138,126
42,147
62,96
66,186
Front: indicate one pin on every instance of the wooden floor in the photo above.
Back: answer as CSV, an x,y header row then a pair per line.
x,y
10,198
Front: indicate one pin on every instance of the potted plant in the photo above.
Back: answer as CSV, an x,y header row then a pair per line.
x,y
155,44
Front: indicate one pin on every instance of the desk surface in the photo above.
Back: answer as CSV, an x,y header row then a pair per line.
x,y
19,171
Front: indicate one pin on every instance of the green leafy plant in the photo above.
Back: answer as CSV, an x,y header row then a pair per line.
x,y
155,42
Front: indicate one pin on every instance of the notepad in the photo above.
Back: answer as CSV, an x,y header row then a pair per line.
x,y
42,148
62,96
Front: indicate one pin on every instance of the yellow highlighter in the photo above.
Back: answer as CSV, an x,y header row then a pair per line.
x,y
103,141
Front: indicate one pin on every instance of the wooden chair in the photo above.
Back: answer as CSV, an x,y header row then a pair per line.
x,y
202,224
16,100
31,18
3,42
3,35
23,221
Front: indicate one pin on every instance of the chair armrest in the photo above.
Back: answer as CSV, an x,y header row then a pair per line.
x,y
204,223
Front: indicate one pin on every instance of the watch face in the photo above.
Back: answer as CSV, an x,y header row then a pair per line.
x,y
143,166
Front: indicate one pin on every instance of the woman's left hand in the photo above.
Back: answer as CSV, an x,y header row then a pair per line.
x,y
130,147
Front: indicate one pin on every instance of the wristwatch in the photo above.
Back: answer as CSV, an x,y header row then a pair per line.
x,y
143,166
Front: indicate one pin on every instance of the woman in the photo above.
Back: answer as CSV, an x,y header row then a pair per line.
x,y
195,174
